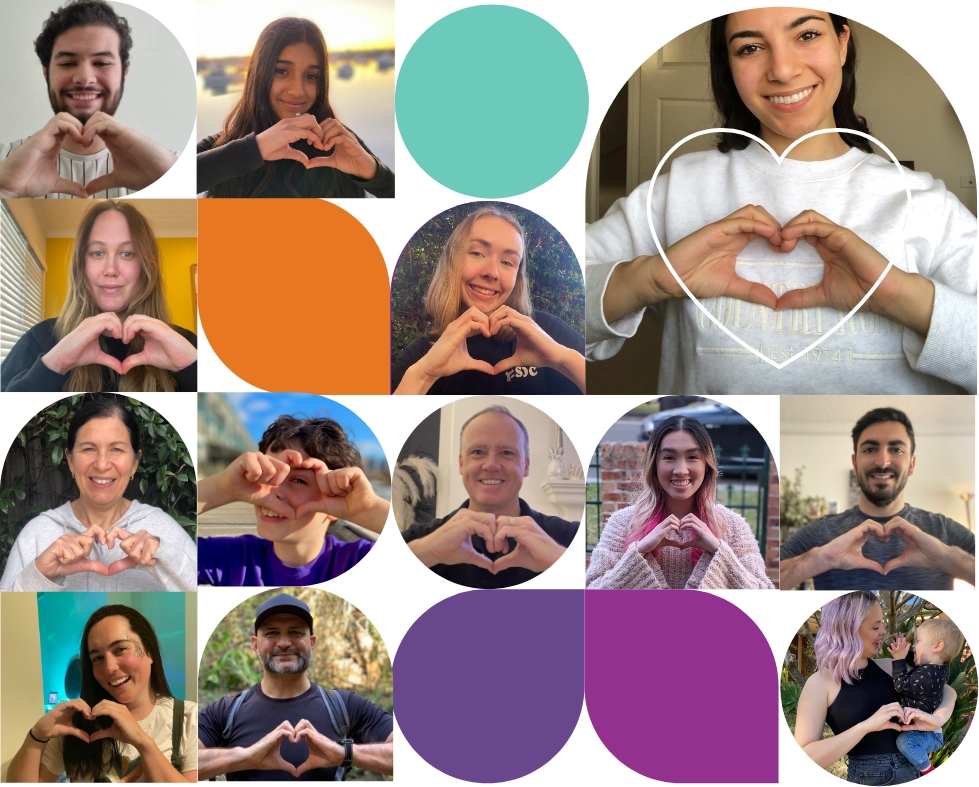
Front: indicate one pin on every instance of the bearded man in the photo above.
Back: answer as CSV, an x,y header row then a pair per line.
x,y
883,543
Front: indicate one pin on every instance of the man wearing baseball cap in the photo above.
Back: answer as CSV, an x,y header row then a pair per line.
x,y
287,727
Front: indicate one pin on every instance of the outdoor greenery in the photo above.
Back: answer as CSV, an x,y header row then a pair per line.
x,y
556,283
795,509
349,652
36,477
902,613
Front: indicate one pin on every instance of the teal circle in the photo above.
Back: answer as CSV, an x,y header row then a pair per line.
x,y
491,101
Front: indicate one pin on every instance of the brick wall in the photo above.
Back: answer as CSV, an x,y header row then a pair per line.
x,y
619,467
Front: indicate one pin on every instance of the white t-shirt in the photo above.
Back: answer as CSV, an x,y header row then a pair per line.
x,y
159,726
77,167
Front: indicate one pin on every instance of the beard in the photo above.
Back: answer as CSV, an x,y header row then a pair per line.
x,y
881,497
301,665
110,103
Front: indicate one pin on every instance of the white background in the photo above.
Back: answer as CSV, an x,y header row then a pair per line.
x,y
611,38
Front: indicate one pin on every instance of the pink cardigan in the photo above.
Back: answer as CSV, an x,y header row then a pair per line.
x,y
736,565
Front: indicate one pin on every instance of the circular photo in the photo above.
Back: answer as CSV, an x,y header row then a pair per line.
x,y
879,687
487,298
104,99
682,493
294,489
488,492
295,682
98,493
771,275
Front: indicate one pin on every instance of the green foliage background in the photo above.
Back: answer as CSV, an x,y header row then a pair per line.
x,y
902,613
556,284
349,652
36,477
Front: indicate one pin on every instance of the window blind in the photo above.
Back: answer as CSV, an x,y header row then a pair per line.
x,y
21,283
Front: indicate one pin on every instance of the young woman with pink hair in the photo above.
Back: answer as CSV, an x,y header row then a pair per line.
x,y
854,693
676,535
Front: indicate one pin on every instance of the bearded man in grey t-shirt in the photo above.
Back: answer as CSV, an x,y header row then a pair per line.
x,y
883,543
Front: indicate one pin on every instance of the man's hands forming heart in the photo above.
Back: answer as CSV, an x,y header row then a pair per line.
x,y
266,755
69,554
920,549
136,160
323,753
535,550
672,532
163,347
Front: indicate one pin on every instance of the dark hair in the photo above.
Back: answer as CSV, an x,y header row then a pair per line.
x,y
103,407
253,114
734,114
882,415
82,13
321,438
87,760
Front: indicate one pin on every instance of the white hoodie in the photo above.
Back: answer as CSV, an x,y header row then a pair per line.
x,y
176,559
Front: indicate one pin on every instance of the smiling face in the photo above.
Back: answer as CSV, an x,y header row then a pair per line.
x,y
926,646
85,74
295,81
299,487
680,465
883,462
120,662
102,461
493,463
872,631
112,268
489,269
284,644
787,65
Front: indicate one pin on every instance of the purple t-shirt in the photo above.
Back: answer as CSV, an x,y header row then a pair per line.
x,y
248,560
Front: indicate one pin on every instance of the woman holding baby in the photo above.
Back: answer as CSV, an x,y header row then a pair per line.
x,y
856,695
676,535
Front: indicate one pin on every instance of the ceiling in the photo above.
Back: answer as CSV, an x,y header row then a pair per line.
x,y
832,414
170,218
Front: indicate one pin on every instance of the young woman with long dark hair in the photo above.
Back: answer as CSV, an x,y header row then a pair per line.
x,y
676,535
122,725
283,138
779,252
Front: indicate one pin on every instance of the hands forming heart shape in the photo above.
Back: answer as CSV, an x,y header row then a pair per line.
x,y
266,754
920,549
162,346
69,554
341,148
672,532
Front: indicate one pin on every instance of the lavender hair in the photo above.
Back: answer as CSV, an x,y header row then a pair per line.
x,y
838,644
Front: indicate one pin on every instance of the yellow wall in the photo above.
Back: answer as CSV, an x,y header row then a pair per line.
x,y
177,255
20,674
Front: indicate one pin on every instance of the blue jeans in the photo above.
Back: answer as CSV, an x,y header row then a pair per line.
x,y
880,769
916,745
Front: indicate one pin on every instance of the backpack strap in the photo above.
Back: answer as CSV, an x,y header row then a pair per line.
x,y
177,735
340,720
236,703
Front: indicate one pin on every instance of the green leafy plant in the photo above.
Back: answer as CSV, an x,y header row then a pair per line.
x,y
796,509
36,477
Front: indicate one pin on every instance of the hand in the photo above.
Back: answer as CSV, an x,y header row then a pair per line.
x,y
163,347
845,551
705,260
899,647
348,154
265,755
535,550
915,719
703,537
69,554
253,477
534,346
81,347
883,718
323,753
852,266
451,544
450,354
274,142
344,494
32,169
136,161
124,729
921,550
56,723
139,547
665,534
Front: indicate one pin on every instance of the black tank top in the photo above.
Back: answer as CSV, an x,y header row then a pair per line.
x,y
861,700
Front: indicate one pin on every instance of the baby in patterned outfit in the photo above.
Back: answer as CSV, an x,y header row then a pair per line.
x,y
936,643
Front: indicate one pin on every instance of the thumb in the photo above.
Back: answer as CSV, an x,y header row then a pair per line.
x,y
104,359
505,562
121,565
85,565
63,186
138,359
103,183
296,155
476,559
890,565
100,734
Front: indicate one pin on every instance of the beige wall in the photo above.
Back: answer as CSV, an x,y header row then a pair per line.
x,y
20,673
190,635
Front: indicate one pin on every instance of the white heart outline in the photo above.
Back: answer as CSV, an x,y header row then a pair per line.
x,y
779,159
